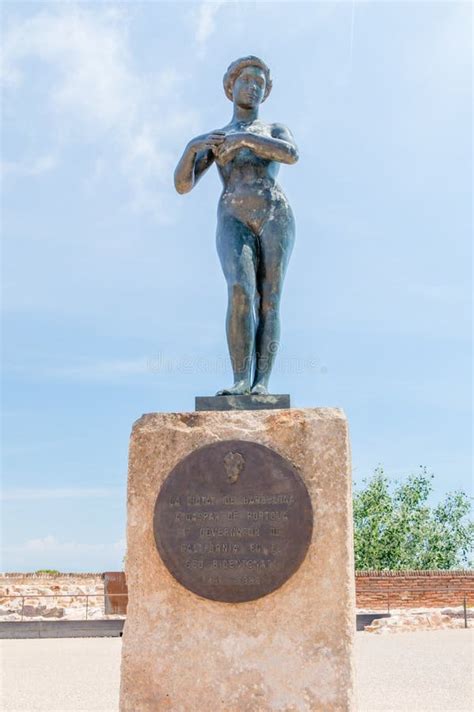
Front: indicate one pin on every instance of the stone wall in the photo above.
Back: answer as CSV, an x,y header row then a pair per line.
x,y
375,590
379,590
43,596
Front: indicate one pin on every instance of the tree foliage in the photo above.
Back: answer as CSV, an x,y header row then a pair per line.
x,y
395,528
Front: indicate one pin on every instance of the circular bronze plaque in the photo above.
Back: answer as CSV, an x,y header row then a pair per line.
x,y
233,521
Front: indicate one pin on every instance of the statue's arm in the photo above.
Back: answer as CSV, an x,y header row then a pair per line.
x,y
190,168
198,156
279,147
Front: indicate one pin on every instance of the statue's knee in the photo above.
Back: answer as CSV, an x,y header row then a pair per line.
x,y
242,297
270,305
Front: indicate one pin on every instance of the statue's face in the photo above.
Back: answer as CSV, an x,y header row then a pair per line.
x,y
249,87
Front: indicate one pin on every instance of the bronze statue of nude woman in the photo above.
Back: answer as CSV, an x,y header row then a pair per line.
x,y
255,224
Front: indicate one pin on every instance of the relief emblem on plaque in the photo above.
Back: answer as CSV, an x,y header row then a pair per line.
x,y
233,521
234,463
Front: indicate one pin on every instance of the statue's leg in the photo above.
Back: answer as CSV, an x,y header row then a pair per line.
x,y
237,249
276,244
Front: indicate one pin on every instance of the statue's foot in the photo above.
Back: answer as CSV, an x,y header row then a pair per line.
x,y
241,388
259,390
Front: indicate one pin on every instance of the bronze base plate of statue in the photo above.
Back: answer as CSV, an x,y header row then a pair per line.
x,y
248,402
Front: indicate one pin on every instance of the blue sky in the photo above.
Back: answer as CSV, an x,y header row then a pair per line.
x,y
114,301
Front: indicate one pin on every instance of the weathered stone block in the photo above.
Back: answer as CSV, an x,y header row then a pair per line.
x,y
289,651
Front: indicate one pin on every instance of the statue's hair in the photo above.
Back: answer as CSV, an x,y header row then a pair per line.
x,y
236,67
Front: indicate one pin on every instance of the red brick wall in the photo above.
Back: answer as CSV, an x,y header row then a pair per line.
x,y
379,590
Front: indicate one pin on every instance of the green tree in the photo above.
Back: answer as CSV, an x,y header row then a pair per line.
x,y
395,528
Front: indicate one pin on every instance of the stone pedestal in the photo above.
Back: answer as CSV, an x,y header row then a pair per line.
x,y
288,651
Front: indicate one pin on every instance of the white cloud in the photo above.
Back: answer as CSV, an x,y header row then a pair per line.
x,y
452,294
52,545
35,167
104,371
95,89
26,493
206,24
48,551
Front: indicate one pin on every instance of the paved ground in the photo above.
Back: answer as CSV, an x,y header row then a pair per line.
x,y
426,671
401,672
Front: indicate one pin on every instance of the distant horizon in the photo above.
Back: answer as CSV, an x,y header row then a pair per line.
x,y
387,572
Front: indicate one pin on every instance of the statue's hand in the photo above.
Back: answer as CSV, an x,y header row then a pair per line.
x,y
207,142
225,151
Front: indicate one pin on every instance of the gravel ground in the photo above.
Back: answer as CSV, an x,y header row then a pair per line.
x,y
404,672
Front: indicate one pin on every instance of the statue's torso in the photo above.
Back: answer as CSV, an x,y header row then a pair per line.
x,y
251,193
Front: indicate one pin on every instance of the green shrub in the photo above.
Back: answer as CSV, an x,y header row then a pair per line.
x,y
396,529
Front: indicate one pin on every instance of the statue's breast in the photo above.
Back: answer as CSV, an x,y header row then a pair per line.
x,y
257,128
246,156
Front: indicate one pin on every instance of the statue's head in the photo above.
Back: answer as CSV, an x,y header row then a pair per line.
x,y
247,81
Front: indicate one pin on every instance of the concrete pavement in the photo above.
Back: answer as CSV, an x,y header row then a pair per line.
x,y
403,672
